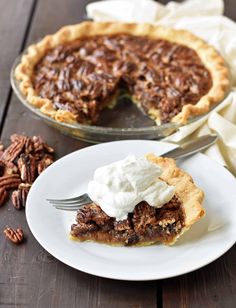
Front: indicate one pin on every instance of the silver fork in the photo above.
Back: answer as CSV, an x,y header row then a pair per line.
x,y
186,149
71,204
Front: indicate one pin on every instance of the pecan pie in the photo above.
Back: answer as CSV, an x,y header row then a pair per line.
x,y
171,75
146,224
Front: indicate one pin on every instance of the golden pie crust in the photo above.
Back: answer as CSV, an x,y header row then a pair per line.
x,y
189,194
208,55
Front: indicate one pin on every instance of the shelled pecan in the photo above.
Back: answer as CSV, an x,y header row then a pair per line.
x,y
29,146
19,196
11,153
20,164
10,181
17,138
11,168
15,236
46,161
3,196
7,168
27,167
48,149
37,143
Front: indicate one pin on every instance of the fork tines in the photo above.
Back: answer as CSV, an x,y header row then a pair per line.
x,y
70,204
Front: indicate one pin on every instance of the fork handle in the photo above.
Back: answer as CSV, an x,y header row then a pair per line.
x,y
191,147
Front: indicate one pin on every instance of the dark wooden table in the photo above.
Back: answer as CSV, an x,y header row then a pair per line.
x,y
29,276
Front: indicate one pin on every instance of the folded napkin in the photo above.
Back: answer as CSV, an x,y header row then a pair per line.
x,y
203,18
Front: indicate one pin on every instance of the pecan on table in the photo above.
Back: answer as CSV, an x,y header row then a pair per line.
x,y
46,161
11,168
3,196
17,138
48,149
20,164
29,146
27,167
7,168
14,150
15,236
39,145
19,196
10,181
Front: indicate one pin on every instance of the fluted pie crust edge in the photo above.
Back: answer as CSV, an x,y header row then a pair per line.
x,y
190,195
208,55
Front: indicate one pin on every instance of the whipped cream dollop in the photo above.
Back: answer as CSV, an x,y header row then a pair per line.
x,y
118,187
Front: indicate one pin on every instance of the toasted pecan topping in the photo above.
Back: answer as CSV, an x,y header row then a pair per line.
x,y
145,224
81,75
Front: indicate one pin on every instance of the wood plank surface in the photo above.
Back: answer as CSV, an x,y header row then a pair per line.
x,y
213,285
35,278
14,18
31,277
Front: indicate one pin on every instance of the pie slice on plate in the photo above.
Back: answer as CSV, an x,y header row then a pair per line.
x,y
75,73
146,225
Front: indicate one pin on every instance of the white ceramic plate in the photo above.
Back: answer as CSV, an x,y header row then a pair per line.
x,y
206,241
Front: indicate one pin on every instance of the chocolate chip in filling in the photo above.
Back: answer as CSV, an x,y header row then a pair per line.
x,y
83,76
146,224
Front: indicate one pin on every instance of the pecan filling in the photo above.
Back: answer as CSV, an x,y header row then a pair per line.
x,y
84,75
146,224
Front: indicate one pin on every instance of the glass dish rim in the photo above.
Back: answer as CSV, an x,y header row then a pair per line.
x,y
91,128
159,130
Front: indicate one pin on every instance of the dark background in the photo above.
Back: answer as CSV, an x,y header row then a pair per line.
x,y
29,276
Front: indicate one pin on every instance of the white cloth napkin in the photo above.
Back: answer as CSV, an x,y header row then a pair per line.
x,y
203,18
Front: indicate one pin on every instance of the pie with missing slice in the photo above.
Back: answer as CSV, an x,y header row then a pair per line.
x,y
146,225
75,73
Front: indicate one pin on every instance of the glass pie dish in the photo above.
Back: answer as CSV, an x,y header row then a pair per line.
x,y
124,121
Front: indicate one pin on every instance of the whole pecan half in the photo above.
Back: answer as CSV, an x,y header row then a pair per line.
x,y
3,196
10,181
19,196
15,236
11,153
27,167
